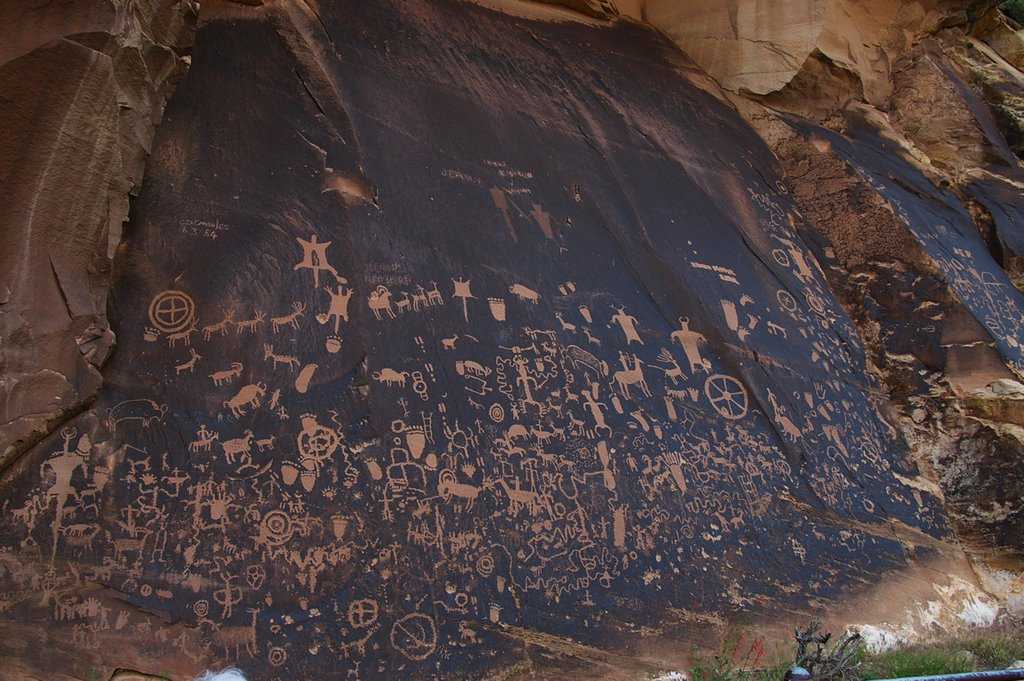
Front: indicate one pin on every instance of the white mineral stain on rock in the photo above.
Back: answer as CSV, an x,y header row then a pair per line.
x,y
960,605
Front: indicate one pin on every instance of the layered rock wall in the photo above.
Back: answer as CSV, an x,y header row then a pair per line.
x,y
84,85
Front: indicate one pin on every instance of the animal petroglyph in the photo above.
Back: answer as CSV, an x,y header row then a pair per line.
x,y
390,377
292,319
630,375
524,293
380,302
290,361
242,445
189,364
183,335
227,375
248,396
140,412
220,327
250,324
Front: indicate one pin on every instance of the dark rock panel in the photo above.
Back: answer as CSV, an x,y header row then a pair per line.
x,y
445,337
941,224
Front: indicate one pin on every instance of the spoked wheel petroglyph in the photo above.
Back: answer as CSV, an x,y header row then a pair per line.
x,y
727,396
415,636
318,442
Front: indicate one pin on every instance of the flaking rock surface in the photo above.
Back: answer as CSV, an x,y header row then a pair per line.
x,y
84,84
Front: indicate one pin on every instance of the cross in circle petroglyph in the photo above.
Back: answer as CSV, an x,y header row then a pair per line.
x,y
171,311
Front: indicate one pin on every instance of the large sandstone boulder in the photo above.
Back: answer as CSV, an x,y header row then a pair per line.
x,y
820,52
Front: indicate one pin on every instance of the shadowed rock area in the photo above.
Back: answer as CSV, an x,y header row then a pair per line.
x,y
453,343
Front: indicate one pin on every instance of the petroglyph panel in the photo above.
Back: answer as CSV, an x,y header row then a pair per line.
x,y
540,375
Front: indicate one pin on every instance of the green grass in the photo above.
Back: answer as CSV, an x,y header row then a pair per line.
x,y
990,649
917,662
744,659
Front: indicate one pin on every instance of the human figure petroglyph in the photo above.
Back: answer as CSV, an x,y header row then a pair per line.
x,y
463,291
776,330
250,324
63,467
526,382
220,327
628,325
189,364
204,440
690,341
226,376
380,302
292,319
314,257
630,375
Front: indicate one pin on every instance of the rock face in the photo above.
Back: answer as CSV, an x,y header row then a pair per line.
x,y
85,83
453,342
816,52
